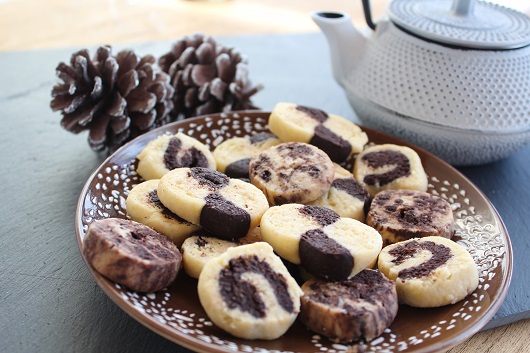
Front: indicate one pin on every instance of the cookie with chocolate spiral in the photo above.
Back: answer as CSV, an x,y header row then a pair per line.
x,y
168,152
404,214
430,271
359,308
131,254
389,166
333,134
233,155
248,292
228,208
325,245
143,206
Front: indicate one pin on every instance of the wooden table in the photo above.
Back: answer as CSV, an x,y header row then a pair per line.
x,y
43,25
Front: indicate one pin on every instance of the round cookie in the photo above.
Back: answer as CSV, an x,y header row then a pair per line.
x,y
131,254
292,172
228,208
248,292
345,196
144,206
323,243
388,166
201,247
345,311
404,214
168,152
234,155
335,135
430,271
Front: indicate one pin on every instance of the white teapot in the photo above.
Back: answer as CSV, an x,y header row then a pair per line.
x,y
451,76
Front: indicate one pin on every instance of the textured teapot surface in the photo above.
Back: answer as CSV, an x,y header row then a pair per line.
x,y
466,89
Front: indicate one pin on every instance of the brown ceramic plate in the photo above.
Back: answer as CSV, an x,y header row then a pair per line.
x,y
176,313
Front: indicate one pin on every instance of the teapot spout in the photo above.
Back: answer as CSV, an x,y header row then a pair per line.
x,y
345,42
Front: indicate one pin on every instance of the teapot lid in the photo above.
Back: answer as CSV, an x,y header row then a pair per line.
x,y
463,23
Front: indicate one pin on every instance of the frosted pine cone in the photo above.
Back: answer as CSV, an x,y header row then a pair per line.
x,y
207,77
116,98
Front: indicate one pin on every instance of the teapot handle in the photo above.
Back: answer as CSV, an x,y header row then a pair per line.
x,y
368,14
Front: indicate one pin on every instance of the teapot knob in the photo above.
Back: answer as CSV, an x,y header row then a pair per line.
x,y
463,7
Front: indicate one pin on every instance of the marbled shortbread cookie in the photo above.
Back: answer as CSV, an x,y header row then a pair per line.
x,y
248,292
131,254
346,196
144,206
234,155
201,247
388,166
361,307
228,208
292,172
404,214
168,152
323,243
333,134
430,271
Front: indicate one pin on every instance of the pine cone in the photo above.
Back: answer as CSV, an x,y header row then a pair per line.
x,y
207,77
115,98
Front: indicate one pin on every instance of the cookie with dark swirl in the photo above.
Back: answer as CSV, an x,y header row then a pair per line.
x,y
430,271
333,134
292,172
388,166
168,152
144,206
404,214
325,245
131,254
359,308
248,292
233,155
228,208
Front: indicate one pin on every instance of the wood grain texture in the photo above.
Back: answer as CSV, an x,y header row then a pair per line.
x,y
49,301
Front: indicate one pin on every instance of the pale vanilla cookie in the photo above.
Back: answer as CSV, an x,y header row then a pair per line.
x,y
323,243
430,271
201,247
248,292
131,254
144,206
335,135
168,152
228,208
292,172
382,167
359,308
404,214
234,155
345,196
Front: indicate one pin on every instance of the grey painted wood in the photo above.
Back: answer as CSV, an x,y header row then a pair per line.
x,y
48,300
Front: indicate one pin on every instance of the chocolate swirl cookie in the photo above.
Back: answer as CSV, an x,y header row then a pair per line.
x,y
323,243
430,271
131,254
248,292
333,134
404,214
233,155
345,196
345,311
202,246
228,208
292,172
388,166
168,152
144,206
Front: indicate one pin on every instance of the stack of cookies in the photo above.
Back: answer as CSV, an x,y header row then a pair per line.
x,y
255,213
